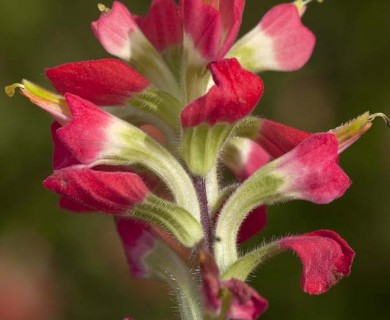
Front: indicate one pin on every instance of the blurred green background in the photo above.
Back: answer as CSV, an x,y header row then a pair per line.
x,y
76,260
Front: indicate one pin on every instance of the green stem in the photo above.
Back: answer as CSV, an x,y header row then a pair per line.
x,y
261,188
212,187
246,264
171,269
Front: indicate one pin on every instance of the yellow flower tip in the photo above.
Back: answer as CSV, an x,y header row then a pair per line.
x,y
102,8
372,117
10,90
301,5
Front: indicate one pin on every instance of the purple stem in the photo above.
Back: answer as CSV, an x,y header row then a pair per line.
x,y
200,187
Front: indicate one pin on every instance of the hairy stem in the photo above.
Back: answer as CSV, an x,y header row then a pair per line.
x,y
200,187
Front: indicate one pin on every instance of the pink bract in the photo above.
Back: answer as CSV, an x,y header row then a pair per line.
x,y
293,43
326,258
312,170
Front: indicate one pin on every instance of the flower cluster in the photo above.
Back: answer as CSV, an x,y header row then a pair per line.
x,y
148,138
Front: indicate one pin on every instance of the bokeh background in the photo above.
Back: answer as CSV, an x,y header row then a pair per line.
x,y
55,265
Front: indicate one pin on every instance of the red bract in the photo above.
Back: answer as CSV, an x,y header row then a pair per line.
x,y
138,240
110,192
86,135
253,224
326,258
211,27
246,304
234,96
245,157
277,139
104,82
62,157
162,25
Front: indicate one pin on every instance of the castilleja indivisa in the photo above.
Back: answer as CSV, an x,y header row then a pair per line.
x,y
146,137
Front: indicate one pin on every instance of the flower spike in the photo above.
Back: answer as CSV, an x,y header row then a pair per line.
x,y
147,141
